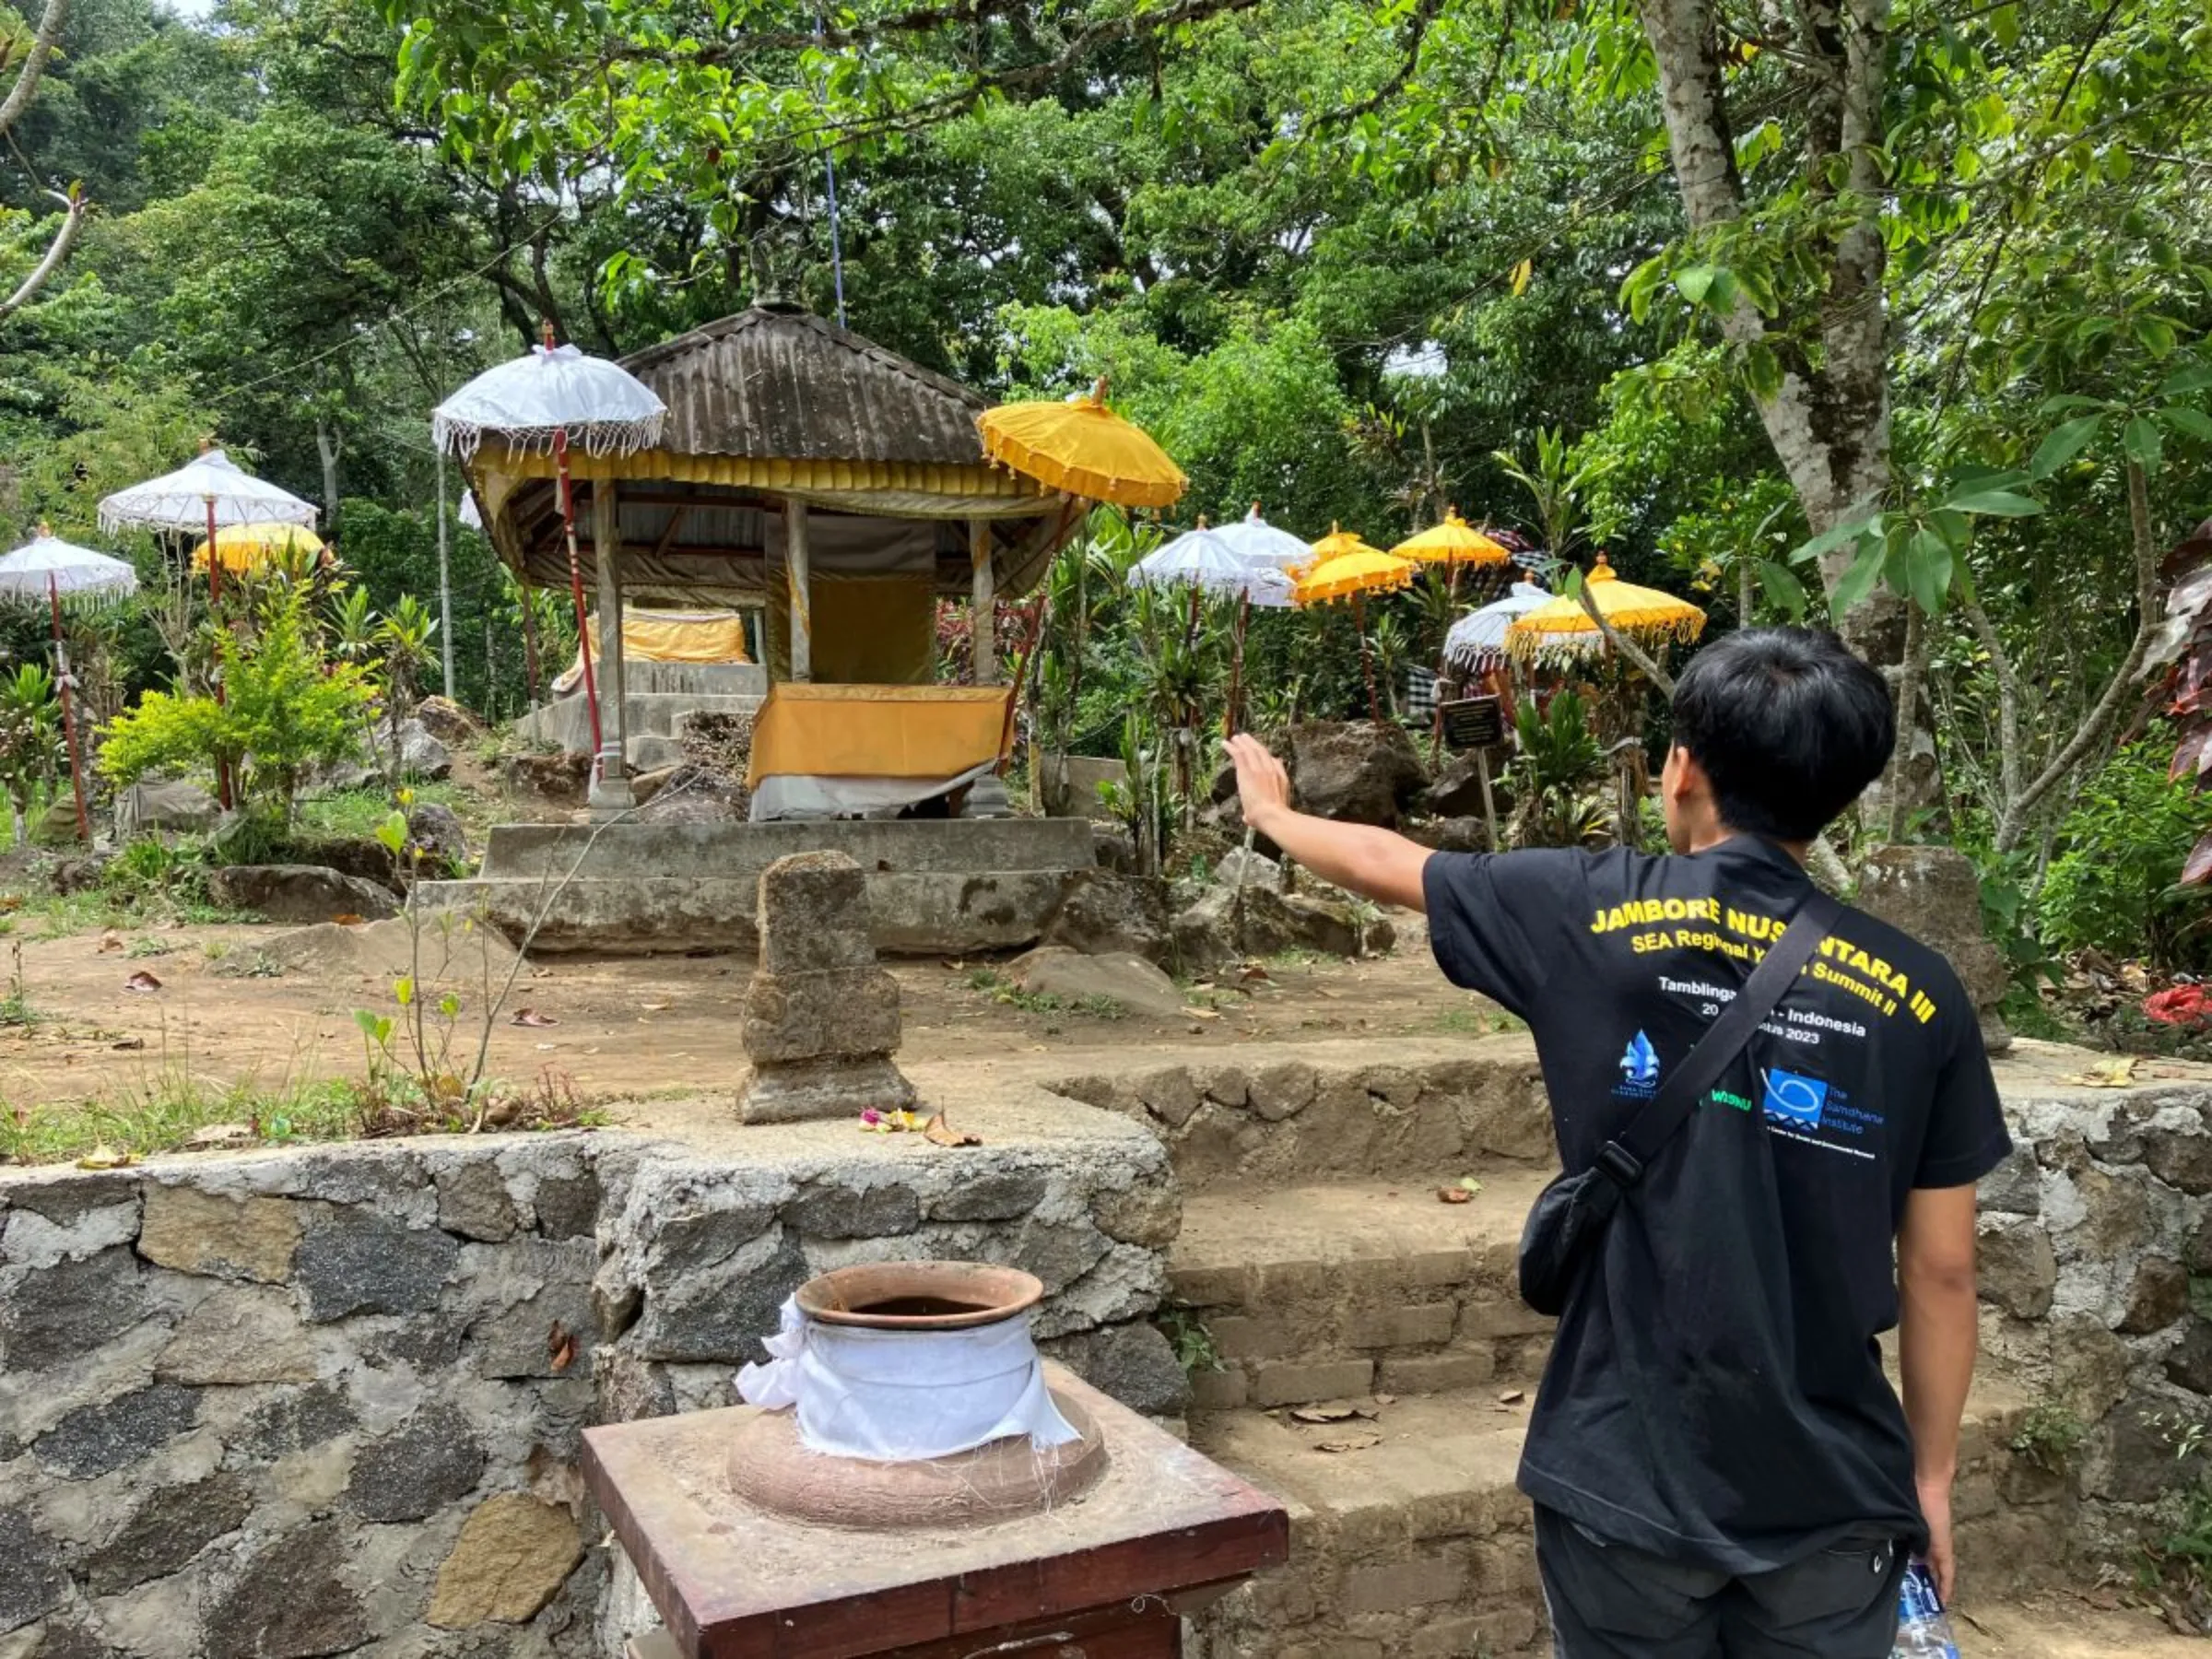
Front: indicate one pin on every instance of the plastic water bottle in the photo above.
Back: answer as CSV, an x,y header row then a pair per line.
x,y
1924,1629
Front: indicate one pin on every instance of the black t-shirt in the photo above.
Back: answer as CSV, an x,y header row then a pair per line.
x,y
1716,1393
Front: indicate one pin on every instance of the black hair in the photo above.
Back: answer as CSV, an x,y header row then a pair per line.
x,y
1789,727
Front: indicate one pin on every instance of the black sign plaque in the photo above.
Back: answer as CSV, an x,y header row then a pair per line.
x,y
1474,722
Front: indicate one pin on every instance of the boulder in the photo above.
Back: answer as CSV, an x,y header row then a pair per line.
x,y
356,856
298,892
650,752
420,755
1355,772
437,831
643,786
447,720
1102,910
1113,850
1128,981
1457,792
1225,926
1239,868
1934,894
150,807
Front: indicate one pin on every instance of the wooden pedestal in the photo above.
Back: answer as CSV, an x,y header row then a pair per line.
x,y
1105,1577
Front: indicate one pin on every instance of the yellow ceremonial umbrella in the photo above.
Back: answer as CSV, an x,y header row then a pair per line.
x,y
1644,615
1352,573
1084,448
1454,542
1336,544
250,547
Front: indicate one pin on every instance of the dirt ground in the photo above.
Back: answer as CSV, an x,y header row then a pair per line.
x,y
271,1008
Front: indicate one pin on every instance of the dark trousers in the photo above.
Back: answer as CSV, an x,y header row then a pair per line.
x,y
1610,1601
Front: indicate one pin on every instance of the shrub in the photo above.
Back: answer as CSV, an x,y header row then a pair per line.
x,y
2112,885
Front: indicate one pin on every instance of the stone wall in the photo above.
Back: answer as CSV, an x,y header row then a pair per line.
x,y
294,1404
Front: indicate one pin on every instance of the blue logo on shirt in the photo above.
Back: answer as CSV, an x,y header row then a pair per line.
x,y
1796,1099
1640,1067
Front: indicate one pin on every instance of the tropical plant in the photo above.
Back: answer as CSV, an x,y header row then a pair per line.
x,y
1558,776
30,740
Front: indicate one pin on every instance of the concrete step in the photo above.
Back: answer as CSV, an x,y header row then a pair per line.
x,y
1418,1544
1316,1292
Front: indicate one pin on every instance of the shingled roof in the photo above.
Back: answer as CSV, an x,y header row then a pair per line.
x,y
778,382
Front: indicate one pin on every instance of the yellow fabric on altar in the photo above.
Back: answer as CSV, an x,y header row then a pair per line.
x,y
869,631
878,731
665,637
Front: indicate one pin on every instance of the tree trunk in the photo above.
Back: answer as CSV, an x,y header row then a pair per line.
x,y
328,444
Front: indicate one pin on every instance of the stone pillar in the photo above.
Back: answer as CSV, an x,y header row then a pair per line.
x,y
1934,894
821,1020
610,784
985,591
801,578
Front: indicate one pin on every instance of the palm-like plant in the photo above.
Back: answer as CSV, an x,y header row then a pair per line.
x,y
1555,775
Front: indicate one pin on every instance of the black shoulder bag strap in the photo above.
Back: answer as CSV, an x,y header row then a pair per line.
x,y
1625,1157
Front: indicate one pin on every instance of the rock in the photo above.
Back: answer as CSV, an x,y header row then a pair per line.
x,y
99,1440
166,1531
294,1421
2180,1158
150,807
990,1196
1169,1093
1454,835
1457,790
228,1238
2088,1365
1100,910
1328,926
238,1336
644,785
1223,927
436,833
85,875
567,1207
1284,1089
2018,1272
559,778
2015,1186
1129,981
649,751
1239,868
1113,850
434,1459
511,1558
2188,1365
2157,1296
420,755
834,1013
60,1313
719,1313
447,720
356,1261
473,1201
1145,1211
814,915
809,1090
291,1602
33,1578
698,795
2141,1457
1935,894
298,892
832,1209
1133,1363
1356,772
359,857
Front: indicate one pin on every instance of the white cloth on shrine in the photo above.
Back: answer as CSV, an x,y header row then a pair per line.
x,y
905,1395
820,795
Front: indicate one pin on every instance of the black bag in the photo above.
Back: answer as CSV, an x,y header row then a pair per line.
x,y
1570,1215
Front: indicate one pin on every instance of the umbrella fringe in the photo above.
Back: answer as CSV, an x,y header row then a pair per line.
x,y
596,437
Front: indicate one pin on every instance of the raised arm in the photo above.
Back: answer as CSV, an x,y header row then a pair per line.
x,y
1936,1338
1379,864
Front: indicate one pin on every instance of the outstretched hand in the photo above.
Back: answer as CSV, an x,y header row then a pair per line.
x,y
1262,786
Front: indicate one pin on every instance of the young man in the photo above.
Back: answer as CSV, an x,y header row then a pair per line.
x,y
1718,1462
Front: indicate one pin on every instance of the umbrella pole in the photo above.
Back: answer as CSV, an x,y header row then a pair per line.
x,y
1367,662
61,680
529,641
214,601
1236,664
584,634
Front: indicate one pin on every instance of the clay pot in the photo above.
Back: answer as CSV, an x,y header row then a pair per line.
x,y
920,1296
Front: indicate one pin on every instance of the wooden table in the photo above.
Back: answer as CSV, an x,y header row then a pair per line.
x,y
1105,1577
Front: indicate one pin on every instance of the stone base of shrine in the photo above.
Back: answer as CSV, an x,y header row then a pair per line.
x,y
936,887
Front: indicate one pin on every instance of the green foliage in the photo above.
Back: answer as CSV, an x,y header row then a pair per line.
x,y
2112,886
1555,776
285,711
31,739
2050,1434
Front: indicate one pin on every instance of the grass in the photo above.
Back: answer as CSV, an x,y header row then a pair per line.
x,y
1477,1022
990,982
354,814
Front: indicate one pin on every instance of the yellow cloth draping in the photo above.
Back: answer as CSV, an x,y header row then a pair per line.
x,y
878,731
664,637
247,548
867,631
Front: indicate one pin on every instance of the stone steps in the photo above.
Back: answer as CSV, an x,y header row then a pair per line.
x,y
1418,1544
1315,1292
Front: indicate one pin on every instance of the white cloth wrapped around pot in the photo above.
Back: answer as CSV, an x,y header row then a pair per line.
x,y
905,1395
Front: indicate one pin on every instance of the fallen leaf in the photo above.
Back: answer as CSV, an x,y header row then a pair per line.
x,y
1512,1396
142,980
656,1007
2115,1074
111,941
220,1134
129,1044
939,1132
532,1019
1204,1013
1327,1411
546,1048
1350,1442
104,1157
1454,1194
348,919
560,1347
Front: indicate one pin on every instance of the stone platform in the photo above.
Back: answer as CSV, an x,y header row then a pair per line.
x,y
936,887
656,696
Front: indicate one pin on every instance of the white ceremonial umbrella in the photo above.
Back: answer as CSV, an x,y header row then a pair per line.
x,y
554,399
206,493
1207,561
1258,542
58,573
1476,641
